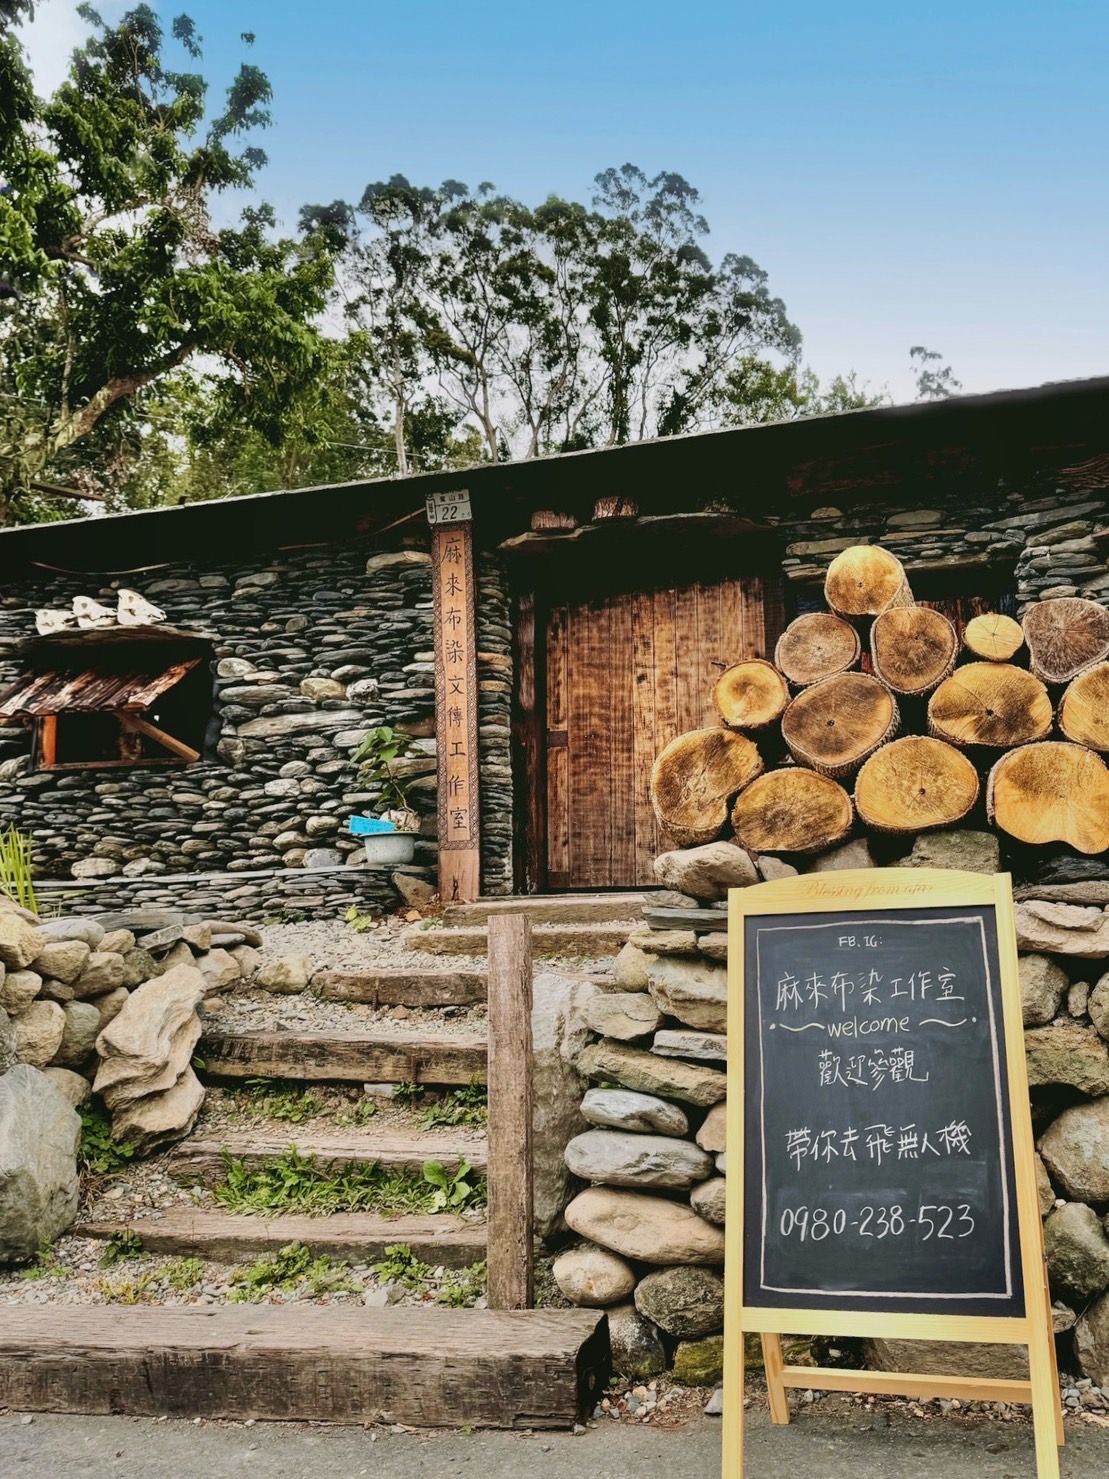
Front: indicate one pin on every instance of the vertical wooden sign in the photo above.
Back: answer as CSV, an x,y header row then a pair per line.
x,y
456,696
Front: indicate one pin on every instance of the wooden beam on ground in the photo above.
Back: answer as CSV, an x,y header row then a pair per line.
x,y
511,1198
202,1160
346,1057
401,988
425,1368
358,1237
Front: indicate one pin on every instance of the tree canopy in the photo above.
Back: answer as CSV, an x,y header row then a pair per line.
x,y
160,340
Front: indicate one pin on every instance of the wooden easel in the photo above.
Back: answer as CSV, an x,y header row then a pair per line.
x,y
1034,1330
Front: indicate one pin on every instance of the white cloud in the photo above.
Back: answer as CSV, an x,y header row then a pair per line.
x,y
52,35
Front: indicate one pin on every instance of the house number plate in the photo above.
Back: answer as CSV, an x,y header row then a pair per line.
x,y
448,508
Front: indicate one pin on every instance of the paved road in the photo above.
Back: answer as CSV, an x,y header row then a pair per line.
x,y
830,1441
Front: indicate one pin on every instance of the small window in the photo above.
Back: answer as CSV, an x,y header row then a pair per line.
x,y
100,704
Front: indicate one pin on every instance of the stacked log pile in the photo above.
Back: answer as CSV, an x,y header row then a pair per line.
x,y
935,727
938,753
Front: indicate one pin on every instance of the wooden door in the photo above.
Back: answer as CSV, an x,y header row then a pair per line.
x,y
625,674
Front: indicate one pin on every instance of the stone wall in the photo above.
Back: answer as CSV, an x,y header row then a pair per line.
x,y
310,649
651,1220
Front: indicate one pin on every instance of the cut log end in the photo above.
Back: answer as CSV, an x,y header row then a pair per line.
x,y
695,779
1065,636
750,695
1052,792
913,648
915,784
866,580
792,811
1084,711
817,645
836,724
990,703
993,637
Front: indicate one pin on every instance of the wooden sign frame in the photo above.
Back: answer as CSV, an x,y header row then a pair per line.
x,y
888,889
456,710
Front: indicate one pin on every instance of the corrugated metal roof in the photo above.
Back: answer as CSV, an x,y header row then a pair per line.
x,y
88,692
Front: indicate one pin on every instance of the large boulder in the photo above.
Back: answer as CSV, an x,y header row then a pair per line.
x,y
847,856
623,1109
700,1363
695,991
87,930
219,969
948,1358
158,1119
286,976
63,960
624,1015
38,1033
1077,1251
82,1027
710,1047
1077,930
592,1276
148,1046
706,872
637,1348
1097,1004
1075,1149
39,1130
616,1158
686,1302
559,1034
73,1087
1091,1342
650,1229
18,990
138,966
664,942
1067,1053
103,971
969,852
630,969
1042,984
669,1078
19,941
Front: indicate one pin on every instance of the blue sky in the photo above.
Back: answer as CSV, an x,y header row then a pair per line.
x,y
906,173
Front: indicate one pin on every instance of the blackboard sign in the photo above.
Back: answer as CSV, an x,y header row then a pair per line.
x,y
879,1170
880,1176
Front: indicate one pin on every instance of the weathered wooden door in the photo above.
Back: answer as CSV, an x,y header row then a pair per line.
x,y
625,674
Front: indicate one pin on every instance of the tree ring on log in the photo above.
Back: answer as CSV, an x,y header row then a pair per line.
x,y
834,725
866,580
1084,710
914,785
817,645
990,703
792,810
1064,636
750,694
1051,792
696,778
993,637
913,648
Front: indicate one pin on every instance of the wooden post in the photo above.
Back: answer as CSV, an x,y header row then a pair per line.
x,y
456,698
510,1110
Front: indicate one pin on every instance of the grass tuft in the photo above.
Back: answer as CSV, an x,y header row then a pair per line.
x,y
295,1183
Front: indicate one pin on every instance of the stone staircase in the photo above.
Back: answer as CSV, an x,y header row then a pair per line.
x,y
589,926
414,1365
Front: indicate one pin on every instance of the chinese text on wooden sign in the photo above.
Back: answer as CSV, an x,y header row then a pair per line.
x,y
456,708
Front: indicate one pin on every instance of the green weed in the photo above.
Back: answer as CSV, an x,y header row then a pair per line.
x,y
406,1094
270,1100
287,1270
45,1265
359,923
295,1183
358,1114
119,1246
15,868
183,1273
128,1291
466,1106
98,1154
401,1266
463,1287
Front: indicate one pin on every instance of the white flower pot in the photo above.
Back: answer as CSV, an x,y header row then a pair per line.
x,y
385,849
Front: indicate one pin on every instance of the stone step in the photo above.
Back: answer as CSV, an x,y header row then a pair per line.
x,y
553,908
346,1057
586,940
401,988
357,1237
424,1368
201,1160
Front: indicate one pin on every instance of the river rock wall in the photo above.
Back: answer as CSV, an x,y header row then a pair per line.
x,y
652,1162
310,649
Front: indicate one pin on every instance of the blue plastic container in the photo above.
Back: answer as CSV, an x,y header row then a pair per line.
x,y
369,826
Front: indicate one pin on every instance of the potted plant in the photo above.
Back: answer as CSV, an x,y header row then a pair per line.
x,y
392,837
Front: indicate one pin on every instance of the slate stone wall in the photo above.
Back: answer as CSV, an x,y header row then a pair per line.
x,y
310,649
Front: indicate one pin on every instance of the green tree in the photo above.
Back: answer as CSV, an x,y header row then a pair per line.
x,y
118,275
755,390
934,381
